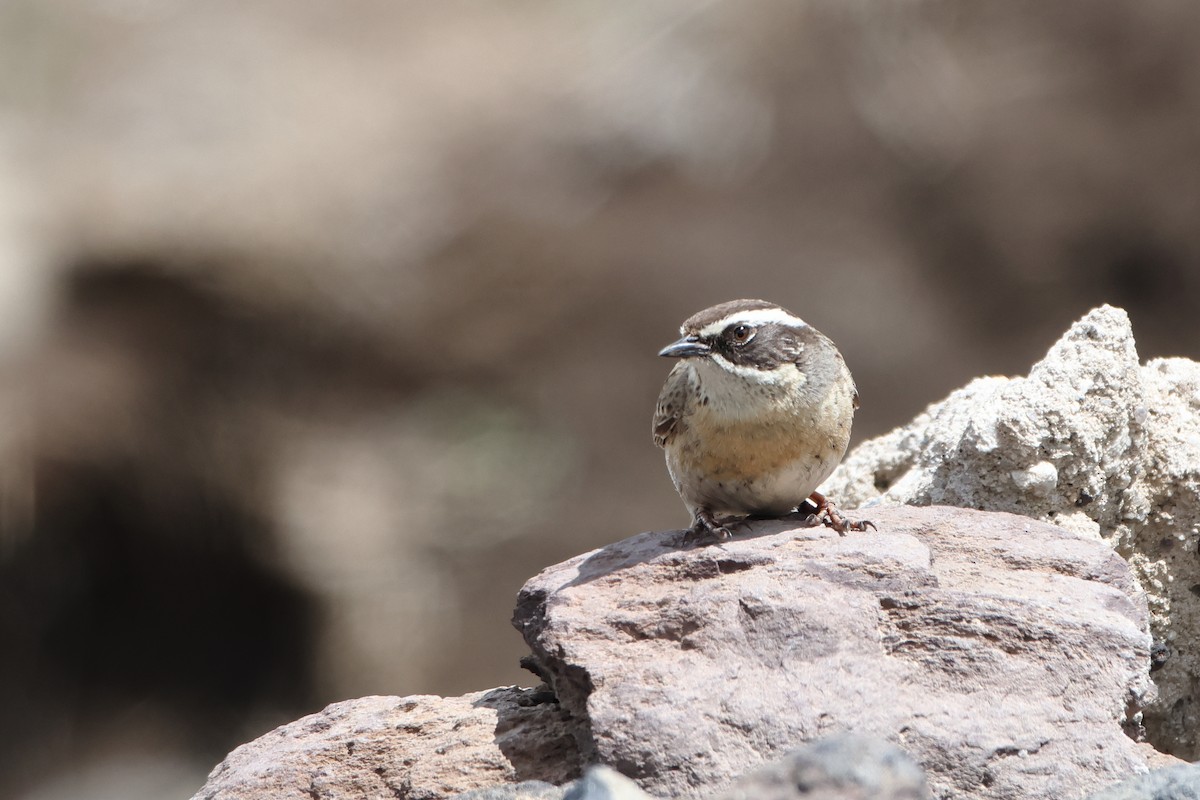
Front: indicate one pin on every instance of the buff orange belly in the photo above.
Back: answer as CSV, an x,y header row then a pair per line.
x,y
751,469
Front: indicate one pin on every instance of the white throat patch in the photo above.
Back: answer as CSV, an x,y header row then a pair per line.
x,y
735,392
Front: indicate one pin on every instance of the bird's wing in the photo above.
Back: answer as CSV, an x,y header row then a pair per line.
x,y
671,403
793,349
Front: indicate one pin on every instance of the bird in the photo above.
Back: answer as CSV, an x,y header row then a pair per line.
x,y
754,416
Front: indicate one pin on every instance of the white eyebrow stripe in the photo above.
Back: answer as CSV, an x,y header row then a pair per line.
x,y
758,316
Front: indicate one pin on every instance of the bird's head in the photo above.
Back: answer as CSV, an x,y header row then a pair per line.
x,y
751,339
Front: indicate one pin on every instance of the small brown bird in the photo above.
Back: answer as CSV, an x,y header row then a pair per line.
x,y
754,416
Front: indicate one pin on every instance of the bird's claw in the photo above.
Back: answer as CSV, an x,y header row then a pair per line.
x,y
706,530
859,526
829,514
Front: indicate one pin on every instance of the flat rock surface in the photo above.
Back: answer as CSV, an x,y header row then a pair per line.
x,y
419,748
1002,653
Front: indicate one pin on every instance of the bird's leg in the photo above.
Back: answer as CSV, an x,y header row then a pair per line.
x,y
705,527
833,518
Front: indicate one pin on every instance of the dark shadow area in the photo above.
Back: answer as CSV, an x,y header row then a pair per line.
x,y
138,608
537,735
111,613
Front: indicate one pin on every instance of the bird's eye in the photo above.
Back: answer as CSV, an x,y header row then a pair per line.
x,y
742,333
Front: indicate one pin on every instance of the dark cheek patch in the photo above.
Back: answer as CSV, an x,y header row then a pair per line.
x,y
771,346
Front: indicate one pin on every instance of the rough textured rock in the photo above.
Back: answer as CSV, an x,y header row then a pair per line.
x,y
1062,444
419,747
843,767
1091,441
1003,654
1181,782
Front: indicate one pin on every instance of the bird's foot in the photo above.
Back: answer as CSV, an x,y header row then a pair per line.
x,y
829,514
706,529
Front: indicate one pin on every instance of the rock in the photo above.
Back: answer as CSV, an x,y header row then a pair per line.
x,y
1161,544
1002,653
598,783
843,767
525,790
1090,441
1181,782
419,747
605,783
1062,444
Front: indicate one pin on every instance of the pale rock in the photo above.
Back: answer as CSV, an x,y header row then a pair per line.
x,y
1041,478
604,783
845,767
1180,782
525,790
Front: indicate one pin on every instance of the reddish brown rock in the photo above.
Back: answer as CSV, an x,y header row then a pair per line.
x,y
1005,655
420,748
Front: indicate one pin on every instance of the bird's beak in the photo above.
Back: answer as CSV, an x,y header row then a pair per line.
x,y
687,347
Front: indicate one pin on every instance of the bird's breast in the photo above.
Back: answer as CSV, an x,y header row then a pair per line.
x,y
747,449
762,460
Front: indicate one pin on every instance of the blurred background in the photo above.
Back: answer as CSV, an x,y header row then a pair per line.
x,y
323,326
